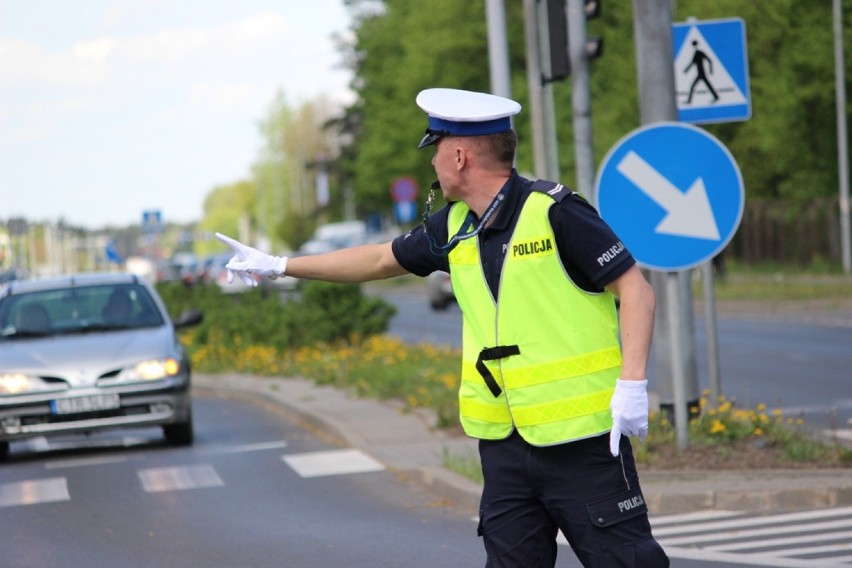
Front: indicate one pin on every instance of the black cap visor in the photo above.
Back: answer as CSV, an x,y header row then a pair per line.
x,y
431,137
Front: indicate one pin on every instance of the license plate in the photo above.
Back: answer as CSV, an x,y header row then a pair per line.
x,y
89,403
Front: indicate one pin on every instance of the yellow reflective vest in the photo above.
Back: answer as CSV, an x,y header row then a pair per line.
x,y
545,356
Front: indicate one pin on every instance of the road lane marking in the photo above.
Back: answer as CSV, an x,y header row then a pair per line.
x,y
733,533
821,537
85,462
332,462
242,448
727,558
158,480
34,491
806,539
754,521
707,515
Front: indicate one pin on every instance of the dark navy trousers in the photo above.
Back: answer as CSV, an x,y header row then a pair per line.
x,y
531,492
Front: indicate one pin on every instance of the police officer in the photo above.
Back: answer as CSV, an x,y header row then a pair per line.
x,y
546,385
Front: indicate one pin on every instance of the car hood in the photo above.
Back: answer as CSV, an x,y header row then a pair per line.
x,y
82,359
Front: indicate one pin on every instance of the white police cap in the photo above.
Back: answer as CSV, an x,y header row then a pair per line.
x,y
454,112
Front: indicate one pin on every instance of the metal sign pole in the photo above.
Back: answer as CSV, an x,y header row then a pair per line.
x,y
711,330
652,24
679,339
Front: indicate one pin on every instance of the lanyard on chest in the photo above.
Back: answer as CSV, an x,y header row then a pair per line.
x,y
465,231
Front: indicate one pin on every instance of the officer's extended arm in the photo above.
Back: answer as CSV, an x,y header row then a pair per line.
x,y
355,264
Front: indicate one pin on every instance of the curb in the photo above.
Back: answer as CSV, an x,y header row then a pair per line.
x,y
769,490
407,444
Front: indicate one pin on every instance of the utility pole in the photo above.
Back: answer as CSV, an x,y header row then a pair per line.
x,y
498,48
674,340
842,142
545,158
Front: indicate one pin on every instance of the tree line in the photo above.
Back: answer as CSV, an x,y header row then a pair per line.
x,y
787,150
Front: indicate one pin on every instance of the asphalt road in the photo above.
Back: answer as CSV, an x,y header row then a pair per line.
x,y
254,491
258,491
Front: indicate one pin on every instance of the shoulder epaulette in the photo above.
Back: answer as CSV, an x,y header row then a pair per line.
x,y
555,190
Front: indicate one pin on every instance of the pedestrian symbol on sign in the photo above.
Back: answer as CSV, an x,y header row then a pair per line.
x,y
698,60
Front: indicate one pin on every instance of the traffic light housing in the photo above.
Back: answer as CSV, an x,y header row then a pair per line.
x,y
557,26
557,35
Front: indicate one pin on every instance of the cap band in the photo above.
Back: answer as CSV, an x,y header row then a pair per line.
x,y
453,128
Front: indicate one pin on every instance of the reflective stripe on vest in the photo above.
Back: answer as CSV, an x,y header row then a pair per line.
x,y
558,387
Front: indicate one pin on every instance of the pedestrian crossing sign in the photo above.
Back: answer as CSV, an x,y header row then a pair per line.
x,y
711,71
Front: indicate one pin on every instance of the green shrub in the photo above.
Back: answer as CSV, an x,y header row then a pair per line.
x,y
322,312
331,312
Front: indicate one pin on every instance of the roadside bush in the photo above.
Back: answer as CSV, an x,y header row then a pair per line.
x,y
334,312
322,312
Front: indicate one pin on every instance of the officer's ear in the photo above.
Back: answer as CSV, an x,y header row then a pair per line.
x,y
464,151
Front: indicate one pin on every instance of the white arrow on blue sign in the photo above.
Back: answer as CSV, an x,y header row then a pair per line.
x,y
673,193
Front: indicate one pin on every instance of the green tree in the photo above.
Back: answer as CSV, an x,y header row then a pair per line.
x,y
400,49
225,209
787,149
296,144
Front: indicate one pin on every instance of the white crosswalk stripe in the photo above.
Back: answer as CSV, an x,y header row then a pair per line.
x,y
181,477
844,434
808,539
34,492
332,462
161,479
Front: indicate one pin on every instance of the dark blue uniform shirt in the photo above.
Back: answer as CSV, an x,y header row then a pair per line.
x,y
592,254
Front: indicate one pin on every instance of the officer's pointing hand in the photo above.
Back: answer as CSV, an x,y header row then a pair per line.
x,y
247,261
629,407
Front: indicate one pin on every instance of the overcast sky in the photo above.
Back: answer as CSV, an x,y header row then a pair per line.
x,y
109,108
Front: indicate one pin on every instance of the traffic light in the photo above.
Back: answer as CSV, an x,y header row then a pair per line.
x,y
592,9
557,27
557,34
594,44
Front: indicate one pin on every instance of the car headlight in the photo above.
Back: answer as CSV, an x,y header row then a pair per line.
x,y
150,370
19,383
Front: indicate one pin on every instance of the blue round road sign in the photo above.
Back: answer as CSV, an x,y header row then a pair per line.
x,y
673,193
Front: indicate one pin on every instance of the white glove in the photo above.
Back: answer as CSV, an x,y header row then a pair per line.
x,y
248,260
629,407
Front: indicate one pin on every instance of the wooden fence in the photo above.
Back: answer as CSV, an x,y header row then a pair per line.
x,y
776,231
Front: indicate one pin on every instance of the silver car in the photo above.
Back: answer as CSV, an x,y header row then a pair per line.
x,y
90,352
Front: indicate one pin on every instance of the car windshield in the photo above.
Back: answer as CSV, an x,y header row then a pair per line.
x,y
76,309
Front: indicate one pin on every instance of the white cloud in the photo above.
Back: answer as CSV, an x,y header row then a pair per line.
x,y
160,99
227,97
29,65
